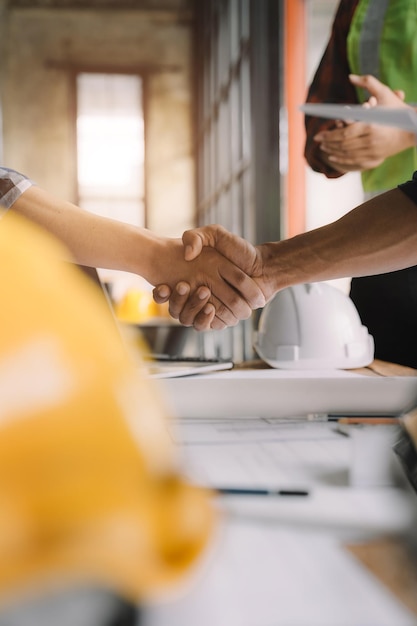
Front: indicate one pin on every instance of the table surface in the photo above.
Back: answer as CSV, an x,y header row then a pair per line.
x,y
275,564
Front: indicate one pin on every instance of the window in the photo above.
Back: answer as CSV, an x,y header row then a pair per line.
x,y
110,157
110,146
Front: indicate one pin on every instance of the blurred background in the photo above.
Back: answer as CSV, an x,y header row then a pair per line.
x,y
170,114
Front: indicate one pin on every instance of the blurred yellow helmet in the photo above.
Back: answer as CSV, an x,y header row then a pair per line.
x,y
89,491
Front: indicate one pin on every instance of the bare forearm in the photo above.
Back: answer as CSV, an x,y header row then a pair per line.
x,y
91,239
101,242
377,237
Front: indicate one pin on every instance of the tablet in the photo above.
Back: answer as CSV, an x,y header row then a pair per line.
x,y
175,367
405,117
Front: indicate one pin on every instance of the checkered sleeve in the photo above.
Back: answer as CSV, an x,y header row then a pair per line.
x,y
12,185
330,84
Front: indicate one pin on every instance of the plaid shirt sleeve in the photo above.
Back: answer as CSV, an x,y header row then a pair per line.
x,y
330,84
12,185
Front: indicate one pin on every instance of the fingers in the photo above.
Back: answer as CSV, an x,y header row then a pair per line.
x,y
230,314
210,310
369,82
237,290
229,301
372,102
245,287
338,136
196,311
191,309
384,94
194,308
205,319
236,249
161,293
184,305
229,288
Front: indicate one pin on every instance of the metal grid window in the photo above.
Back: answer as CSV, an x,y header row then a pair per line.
x,y
237,128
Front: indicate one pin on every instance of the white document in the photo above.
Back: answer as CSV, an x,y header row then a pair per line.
x,y
273,575
286,393
223,431
387,116
280,561
256,453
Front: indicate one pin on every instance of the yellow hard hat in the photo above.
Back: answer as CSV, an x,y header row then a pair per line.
x,y
89,490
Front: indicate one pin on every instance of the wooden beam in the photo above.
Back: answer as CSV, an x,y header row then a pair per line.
x,y
295,90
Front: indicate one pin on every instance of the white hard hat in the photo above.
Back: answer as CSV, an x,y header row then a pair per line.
x,y
313,326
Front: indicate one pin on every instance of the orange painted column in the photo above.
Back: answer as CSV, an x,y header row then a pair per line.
x,y
295,51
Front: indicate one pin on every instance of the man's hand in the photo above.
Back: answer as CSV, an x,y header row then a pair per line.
x,y
359,146
207,286
190,308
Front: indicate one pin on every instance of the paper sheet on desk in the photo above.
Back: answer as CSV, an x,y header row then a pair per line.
x,y
263,453
268,574
233,431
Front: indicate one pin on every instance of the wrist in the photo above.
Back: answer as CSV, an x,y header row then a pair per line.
x,y
278,271
287,263
162,255
143,252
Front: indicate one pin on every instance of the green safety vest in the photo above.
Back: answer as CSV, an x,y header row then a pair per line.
x,y
382,41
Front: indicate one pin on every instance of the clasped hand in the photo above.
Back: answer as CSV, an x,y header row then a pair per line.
x,y
360,146
223,280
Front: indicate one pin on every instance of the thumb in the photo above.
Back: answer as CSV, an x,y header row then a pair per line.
x,y
194,240
369,82
237,250
380,91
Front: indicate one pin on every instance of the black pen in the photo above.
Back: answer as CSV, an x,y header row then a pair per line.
x,y
254,491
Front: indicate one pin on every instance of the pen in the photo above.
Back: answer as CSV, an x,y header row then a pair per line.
x,y
367,420
253,491
343,423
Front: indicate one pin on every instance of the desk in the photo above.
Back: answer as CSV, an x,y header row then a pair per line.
x,y
341,557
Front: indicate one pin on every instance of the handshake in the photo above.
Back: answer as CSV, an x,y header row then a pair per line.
x,y
226,278
213,278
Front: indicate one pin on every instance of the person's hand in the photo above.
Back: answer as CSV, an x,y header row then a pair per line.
x,y
200,312
187,306
215,290
359,146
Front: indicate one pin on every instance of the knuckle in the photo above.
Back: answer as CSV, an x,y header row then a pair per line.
x,y
225,315
217,324
221,310
186,318
174,309
200,324
240,308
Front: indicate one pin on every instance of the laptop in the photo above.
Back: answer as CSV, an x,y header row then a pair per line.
x,y
166,366
163,365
